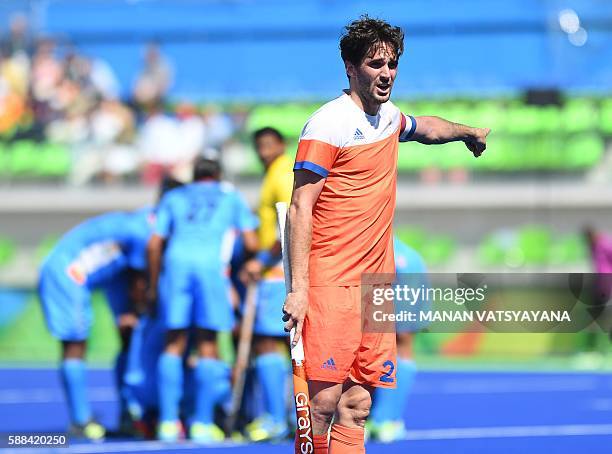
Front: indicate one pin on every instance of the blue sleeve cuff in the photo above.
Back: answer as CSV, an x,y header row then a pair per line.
x,y
307,165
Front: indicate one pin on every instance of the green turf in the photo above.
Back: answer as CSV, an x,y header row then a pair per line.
x,y
27,340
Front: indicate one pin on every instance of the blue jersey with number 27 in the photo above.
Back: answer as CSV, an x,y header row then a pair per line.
x,y
200,221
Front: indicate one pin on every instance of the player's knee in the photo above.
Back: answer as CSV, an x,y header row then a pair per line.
x,y
355,409
323,408
74,349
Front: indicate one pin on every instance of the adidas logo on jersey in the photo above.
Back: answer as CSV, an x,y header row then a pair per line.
x,y
358,135
329,364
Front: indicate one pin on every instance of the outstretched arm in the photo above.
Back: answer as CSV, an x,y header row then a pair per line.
x,y
436,130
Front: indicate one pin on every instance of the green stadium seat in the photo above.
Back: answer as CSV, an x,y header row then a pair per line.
x,y
507,153
54,161
412,158
522,119
582,151
23,158
543,151
605,122
580,115
426,108
457,111
438,250
289,119
414,237
491,252
4,159
569,250
534,244
435,249
7,250
524,137
486,114
550,119
495,156
452,155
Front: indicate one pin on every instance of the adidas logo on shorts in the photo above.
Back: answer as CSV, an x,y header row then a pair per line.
x,y
329,364
358,135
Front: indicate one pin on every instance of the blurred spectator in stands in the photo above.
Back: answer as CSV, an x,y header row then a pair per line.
x,y
95,76
104,79
192,139
67,118
219,125
13,95
154,80
236,157
18,41
47,73
113,132
157,144
108,154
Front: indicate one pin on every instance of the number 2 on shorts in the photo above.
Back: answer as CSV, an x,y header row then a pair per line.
x,y
386,377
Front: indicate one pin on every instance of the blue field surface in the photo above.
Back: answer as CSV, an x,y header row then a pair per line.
x,y
453,412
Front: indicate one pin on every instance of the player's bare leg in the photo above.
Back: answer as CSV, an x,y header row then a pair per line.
x,y
73,374
324,398
73,349
170,384
347,432
354,405
212,386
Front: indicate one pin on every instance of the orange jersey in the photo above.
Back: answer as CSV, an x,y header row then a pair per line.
x,y
353,216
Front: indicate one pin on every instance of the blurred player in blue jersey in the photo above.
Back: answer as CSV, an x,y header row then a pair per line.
x,y
197,224
386,422
271,365
101,253
147,343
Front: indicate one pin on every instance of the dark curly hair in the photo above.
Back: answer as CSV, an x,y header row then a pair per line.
x,y
362,36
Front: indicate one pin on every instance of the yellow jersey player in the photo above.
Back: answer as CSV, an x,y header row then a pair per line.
x,y
266,269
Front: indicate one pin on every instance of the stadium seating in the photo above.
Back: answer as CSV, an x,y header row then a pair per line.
x,y
7,251
25,159
527,246
605,124
4,160
54,161
532,245
525,137
436,250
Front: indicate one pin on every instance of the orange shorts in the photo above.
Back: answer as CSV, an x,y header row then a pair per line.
x,y
335,346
